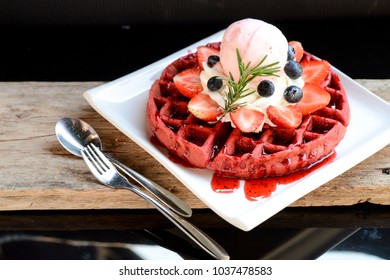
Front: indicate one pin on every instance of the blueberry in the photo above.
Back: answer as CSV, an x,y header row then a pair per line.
x,y
290,53
214,83
212,60
266,88
293,94
293,69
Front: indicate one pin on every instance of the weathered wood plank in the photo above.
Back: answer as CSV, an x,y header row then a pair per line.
x,y
37,173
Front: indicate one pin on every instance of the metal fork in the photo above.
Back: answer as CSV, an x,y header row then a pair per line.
x,y
107,174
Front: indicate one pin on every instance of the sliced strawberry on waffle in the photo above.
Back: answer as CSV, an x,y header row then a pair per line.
x,y
247,120
285,116
204,52
315,71
204,108
188,82
314,98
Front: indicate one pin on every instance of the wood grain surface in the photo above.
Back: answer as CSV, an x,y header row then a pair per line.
x,y
37,173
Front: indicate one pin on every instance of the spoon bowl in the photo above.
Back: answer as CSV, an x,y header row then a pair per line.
x,y
75,135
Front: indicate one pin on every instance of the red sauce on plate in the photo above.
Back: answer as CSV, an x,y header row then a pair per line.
x,y
224,184
172,157
177,160
153,139
260,188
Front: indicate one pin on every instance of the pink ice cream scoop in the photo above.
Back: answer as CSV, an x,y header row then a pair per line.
x,y
254,39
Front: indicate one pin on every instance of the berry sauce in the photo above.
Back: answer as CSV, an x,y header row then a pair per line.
x,y
261,188
172,157
222,184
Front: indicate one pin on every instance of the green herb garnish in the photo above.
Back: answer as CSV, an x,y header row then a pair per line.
x,y
237,90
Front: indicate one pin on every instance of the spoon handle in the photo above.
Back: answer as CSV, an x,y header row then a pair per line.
x,y
165,196
198,236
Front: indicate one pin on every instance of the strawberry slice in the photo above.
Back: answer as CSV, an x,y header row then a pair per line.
x,y
315,71
204,53
188,82
285,116
204,108
314,98
298,49
247,120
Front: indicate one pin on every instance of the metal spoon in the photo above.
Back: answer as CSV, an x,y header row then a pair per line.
x,y
75,134
103,170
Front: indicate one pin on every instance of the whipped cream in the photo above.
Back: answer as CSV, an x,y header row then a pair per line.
x,y
253,101
254,39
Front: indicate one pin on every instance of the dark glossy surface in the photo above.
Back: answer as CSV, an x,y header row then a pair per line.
x,y
294,233
286,244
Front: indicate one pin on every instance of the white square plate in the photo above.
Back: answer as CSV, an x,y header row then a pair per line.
x,y
123,103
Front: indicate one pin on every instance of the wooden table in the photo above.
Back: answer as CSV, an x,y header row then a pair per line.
x,y
37,173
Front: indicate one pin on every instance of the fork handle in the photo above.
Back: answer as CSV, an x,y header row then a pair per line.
x,y
163,195
199,237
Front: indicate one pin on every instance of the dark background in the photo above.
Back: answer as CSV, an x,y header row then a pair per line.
x,y
103,40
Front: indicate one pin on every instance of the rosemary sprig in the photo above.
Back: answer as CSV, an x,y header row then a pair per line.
x,y
238,90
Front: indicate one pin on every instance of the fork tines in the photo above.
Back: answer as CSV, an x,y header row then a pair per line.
x,y
97,158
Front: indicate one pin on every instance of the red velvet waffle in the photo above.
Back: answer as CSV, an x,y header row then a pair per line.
x,y
229,152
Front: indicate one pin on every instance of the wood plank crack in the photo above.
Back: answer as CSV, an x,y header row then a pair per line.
x,y
27,138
